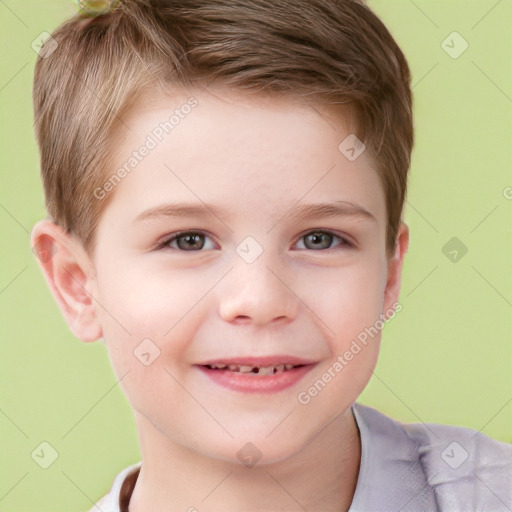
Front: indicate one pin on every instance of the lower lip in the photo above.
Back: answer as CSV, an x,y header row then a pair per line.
x,y
247,383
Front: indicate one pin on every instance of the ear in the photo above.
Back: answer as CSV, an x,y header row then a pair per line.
x,y
69,273
394,276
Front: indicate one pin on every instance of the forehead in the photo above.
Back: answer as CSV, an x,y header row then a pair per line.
x,y
232,148
232,102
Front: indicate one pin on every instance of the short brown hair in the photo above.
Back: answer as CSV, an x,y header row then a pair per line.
x,y
328,51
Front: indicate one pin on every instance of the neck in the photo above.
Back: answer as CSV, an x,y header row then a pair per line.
x,y
321,477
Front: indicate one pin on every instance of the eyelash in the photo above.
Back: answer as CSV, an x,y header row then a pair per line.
x,y
165,243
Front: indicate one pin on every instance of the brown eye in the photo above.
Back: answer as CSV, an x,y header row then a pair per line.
x,y
322,240
187,241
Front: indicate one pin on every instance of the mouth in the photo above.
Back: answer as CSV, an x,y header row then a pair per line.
x,y
257,375
253,370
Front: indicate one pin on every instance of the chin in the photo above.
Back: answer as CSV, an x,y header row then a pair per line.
x,y
256,452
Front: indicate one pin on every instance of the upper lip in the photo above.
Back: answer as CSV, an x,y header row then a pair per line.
x,y
258,361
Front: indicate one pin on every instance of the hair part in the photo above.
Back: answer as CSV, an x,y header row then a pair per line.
x,y
329,52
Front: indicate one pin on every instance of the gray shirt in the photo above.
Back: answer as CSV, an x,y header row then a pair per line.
x,y
405,467
423,467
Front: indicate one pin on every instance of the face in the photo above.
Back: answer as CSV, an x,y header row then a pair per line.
x,y
249,271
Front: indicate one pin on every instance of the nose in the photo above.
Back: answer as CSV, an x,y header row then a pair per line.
x,y
258,293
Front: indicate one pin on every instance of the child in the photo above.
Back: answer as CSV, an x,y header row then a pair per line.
x,y
259,131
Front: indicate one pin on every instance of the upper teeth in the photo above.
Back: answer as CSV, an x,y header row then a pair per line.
x,y
260,370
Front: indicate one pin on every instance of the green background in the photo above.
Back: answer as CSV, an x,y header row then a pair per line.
x,y
446,357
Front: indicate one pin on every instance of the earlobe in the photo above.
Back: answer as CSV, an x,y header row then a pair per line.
x,y
395,264
69,274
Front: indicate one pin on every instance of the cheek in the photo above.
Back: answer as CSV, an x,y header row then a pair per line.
x,y
346,300
150,300
149,364
348,310
148,320
354,336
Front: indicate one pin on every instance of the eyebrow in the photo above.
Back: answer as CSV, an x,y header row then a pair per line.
x,y
294,213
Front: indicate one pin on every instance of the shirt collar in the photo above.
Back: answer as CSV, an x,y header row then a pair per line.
x,y
391,476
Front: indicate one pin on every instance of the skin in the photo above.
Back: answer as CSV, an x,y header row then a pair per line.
x,y
255,157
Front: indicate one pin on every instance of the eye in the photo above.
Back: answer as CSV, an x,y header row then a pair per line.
x,y
187,241
194,241
323,239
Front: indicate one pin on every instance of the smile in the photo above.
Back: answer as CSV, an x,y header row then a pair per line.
x,y
249,378
254,370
